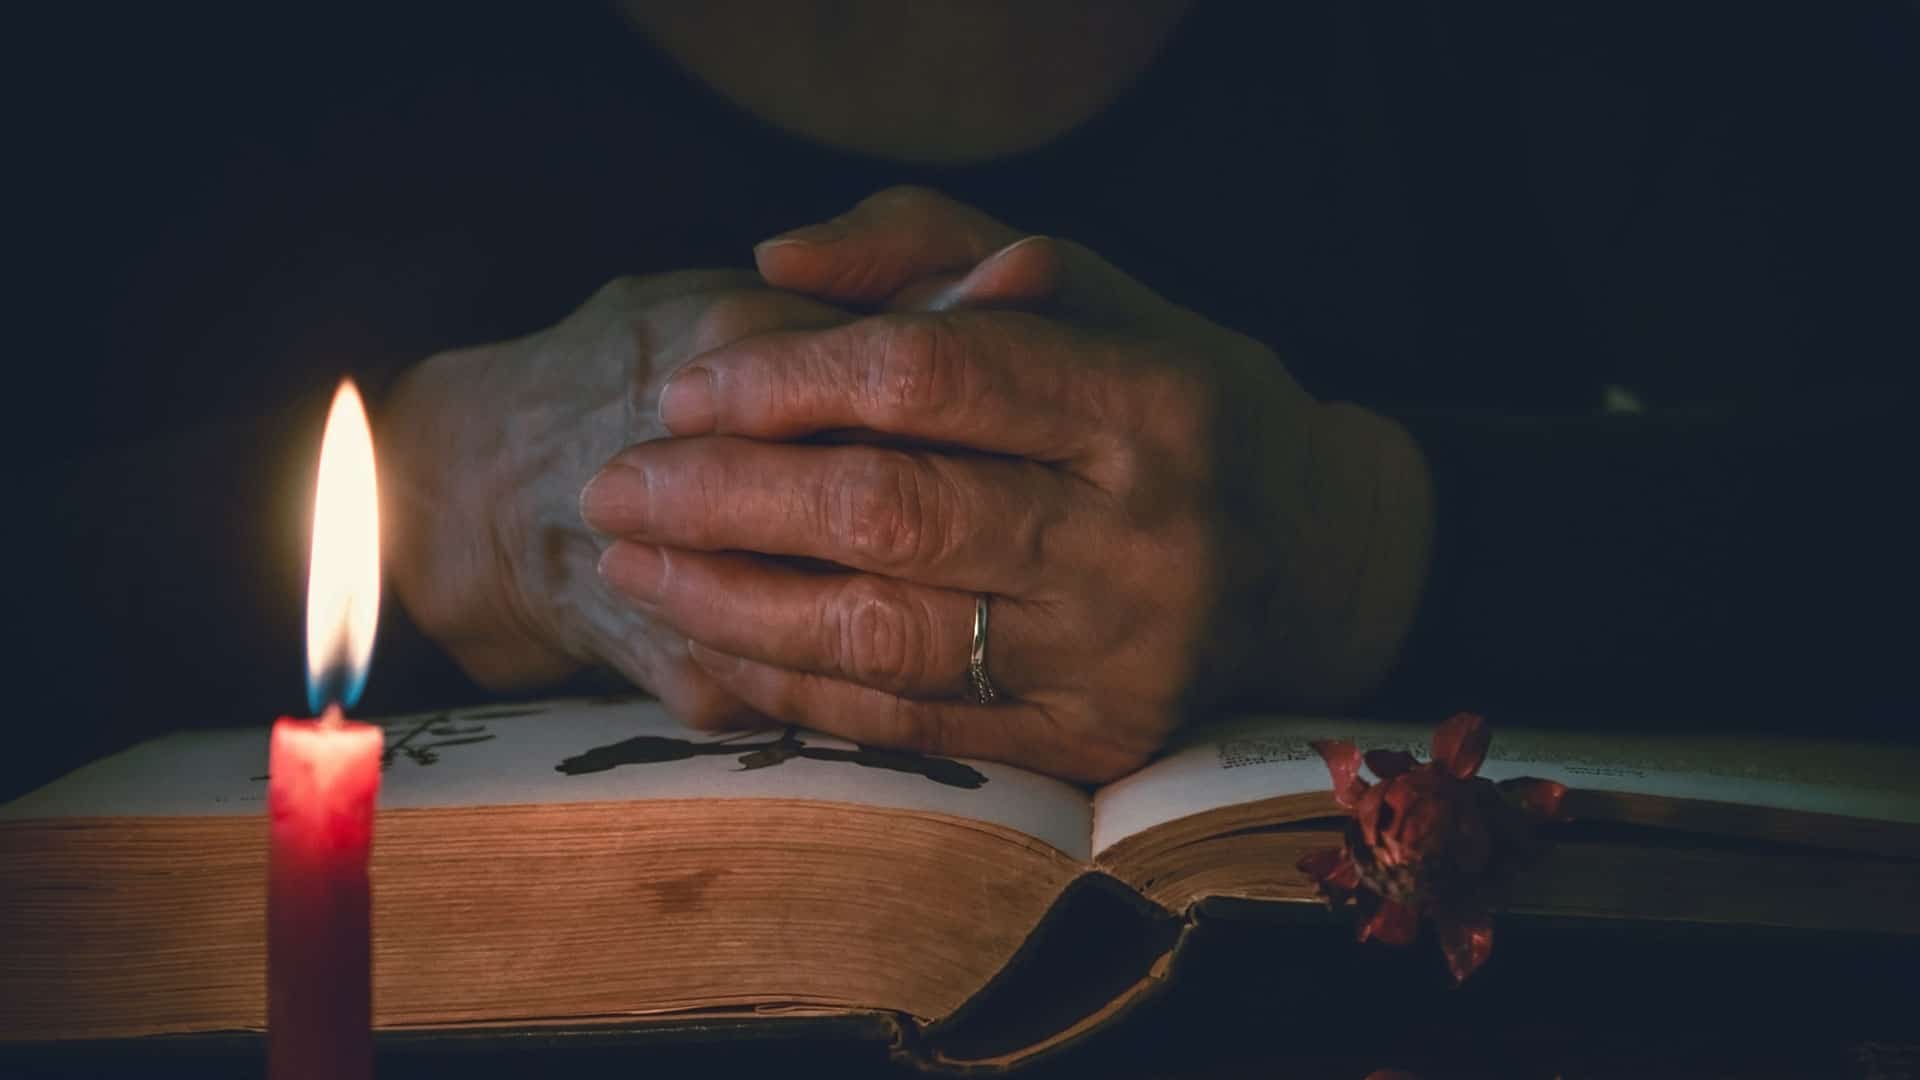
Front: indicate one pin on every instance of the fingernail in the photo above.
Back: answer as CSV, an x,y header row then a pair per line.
x,y
1006,251
613,498
713,661
686,402
964,290
948,296
826,232
638,570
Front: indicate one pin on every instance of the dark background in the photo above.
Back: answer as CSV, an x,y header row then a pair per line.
x,y
218,211
1481,206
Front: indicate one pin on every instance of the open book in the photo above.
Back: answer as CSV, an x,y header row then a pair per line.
x,y
583,862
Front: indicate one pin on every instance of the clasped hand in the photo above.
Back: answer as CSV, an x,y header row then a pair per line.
x,y
1159,515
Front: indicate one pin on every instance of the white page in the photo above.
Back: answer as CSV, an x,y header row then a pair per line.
x,y
1260,757
508,754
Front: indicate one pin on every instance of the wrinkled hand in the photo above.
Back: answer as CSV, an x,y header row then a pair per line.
x,y
485,450
1159,513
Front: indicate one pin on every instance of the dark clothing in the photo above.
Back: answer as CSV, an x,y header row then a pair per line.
x,y
1474,221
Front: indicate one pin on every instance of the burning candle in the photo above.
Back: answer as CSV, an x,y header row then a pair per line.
x,y
323,777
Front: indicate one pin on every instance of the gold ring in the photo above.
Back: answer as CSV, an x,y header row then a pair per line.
x,y
979,686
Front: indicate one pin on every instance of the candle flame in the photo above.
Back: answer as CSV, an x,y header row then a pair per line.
x,y
343,579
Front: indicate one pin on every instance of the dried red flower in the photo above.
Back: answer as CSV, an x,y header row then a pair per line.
x,y
1430,840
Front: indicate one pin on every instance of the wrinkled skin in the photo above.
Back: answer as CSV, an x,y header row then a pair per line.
x,y
484,453
1159,513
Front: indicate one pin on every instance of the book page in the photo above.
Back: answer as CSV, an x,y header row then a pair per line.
x,y
574,751
1254,758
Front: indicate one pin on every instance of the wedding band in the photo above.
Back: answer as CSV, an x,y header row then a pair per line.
x,y
979,686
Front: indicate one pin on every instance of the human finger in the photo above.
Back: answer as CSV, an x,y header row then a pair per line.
x,y
691,323
1016,732
968,522
652,654
888,241
879,632
1028,274
1006,383
914,249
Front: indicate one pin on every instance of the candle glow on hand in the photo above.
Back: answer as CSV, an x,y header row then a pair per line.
x,y
343,580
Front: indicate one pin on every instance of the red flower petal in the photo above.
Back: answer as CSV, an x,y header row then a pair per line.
x,y
1468,942
1366,814
1335,873
1387,764
1346,876
1393,923
1536,796
1323,864
1460,744
1343,762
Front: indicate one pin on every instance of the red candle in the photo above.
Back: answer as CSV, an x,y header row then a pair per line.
x,y
323,777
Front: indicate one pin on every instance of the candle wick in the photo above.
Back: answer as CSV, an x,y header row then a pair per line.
x,y
333,717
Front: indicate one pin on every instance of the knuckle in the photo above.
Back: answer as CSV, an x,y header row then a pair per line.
x,y
891,514
918,371
1040,535
880,639
1162,451
623,291
1117,467
1177,403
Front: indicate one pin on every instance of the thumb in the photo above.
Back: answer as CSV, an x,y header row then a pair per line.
x,y
1044,275
1027,273
900,237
